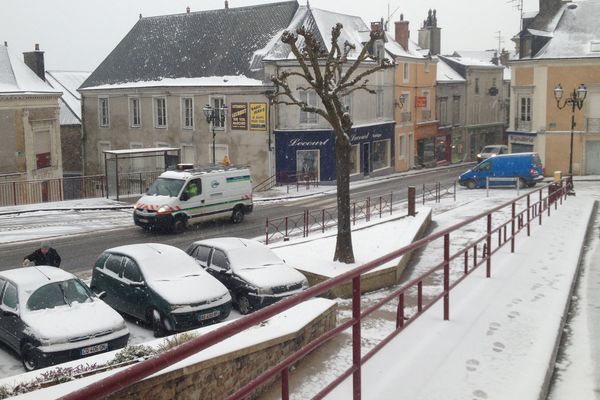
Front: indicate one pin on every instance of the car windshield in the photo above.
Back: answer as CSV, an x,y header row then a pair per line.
x,y
252,257
166,187
491,149
59,294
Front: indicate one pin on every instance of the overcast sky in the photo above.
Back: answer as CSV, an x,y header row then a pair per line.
x,y
77,35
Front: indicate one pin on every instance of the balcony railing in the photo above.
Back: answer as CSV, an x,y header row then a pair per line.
x,y
425,115
406,116
524,126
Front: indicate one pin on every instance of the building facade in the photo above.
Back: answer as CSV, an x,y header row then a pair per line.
x,y
305,142
559,45
29,125
152,89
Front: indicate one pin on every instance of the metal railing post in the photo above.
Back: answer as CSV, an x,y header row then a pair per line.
x,y
528,216
356,339
446,277
323,219
400,312
412,192
541,209
512,228
267,231
285,387
391,201
488,263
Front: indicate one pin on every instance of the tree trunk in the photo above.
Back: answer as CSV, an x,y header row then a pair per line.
x,y
343,247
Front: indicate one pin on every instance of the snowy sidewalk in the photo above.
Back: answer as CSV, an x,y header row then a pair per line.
x,y
503,332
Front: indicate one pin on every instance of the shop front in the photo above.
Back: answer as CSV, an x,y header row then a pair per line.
x,y
521,142
311,154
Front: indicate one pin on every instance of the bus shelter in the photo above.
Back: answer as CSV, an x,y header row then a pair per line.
x,y
129,172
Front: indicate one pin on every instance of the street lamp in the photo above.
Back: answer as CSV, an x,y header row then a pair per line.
x,y
214,115
575,100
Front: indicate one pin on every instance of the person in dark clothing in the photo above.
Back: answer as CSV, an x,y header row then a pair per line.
x,y
45,255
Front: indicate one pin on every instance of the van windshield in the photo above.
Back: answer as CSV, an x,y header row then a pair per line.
x,y
166,187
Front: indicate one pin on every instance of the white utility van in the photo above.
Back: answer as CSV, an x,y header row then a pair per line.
x,y
190,194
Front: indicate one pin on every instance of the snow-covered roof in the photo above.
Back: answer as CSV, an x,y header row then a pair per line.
x,y
395,49
471,62
445,73
573,31
208,81
29,279
209,43
70,104
17,78
320,23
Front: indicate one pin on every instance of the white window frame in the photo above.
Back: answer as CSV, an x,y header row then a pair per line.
x,y
524,116
401,146
103,112
187,114
405,72
135,109
217,148
103,145
388,154
155,111
379,103
355,148
348,101
217,103
309,97
189,146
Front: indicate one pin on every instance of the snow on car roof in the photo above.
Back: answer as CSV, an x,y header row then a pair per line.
x,y
244,252
159,261
29,279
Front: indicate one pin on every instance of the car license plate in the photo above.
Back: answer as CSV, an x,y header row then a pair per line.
x,y
94,349
209,315
144,220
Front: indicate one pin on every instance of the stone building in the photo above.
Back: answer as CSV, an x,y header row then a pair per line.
x,y
560,44
29,124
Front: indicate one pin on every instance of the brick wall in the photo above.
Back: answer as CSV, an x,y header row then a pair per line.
x,y
219,377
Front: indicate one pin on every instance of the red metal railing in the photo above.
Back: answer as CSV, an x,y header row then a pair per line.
x,y
319,220
452,268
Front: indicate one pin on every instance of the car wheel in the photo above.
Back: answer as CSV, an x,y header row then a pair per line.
x,y
244,305
179,225
471,184
532,184
158,324
238,215
28,356
522,183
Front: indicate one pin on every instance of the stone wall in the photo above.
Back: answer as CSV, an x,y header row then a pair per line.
x,y
373,280
219,377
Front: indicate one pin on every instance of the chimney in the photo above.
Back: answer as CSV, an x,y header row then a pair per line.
x,y
226,5
188,9
402,33
430,36
5,43
35,61
504,57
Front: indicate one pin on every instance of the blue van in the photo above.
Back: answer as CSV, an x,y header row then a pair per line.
x,y
525,166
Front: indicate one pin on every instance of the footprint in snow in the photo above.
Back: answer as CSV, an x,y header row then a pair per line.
x,y
479,395
472,365
498,347
513,314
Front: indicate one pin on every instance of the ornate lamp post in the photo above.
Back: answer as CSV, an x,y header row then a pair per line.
x,y
214,115
575,100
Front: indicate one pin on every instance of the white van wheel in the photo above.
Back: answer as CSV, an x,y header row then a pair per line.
x,y
179,225
238,215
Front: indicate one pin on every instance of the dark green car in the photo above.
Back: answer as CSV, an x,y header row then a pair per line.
x,y
160,285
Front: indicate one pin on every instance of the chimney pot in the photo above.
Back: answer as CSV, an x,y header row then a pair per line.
x,y
5,43
37,47
188,9
226,5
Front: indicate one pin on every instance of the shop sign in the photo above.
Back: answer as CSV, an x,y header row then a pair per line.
x,y
521,139
258,116
239,116
310,143
421,101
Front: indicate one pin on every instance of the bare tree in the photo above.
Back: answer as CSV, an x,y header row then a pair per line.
x,y
332,76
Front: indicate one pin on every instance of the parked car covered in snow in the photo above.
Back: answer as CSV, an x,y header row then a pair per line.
x,y
48,316
254,274
491,151
160,285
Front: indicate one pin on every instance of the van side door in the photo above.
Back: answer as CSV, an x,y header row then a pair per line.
x,y
484,170
192,198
